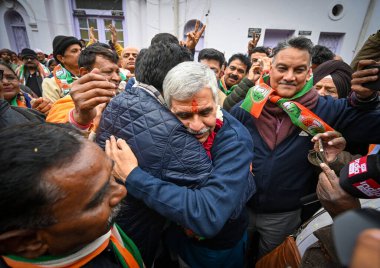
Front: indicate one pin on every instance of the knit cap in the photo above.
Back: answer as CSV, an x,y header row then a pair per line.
x,y
61,43
27,52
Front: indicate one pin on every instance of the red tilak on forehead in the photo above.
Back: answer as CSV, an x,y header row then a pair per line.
x,y
194,106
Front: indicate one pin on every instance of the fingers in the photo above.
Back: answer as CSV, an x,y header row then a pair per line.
x,y
111,148
324,186
329,135
257,69
36,102
111,27
257,38
93,89
255,72
114,147
108,149
326,169
44,107
92,103
365,73
93,76
363,63
364,76
100,108
330,174
89,91
316,137
122,144
96,71
202,30
41,104
261,62
196,26
337,141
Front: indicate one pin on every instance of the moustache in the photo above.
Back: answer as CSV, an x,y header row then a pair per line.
x,y
200,132
287,83
235,77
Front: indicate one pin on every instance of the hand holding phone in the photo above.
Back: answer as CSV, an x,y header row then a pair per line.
x,y
374,85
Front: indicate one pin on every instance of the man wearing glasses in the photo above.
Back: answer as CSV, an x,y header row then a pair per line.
x,y
32,72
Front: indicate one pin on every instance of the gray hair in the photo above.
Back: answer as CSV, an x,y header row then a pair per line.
x,y
186,79
300,42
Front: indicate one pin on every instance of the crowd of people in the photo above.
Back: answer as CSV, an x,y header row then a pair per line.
x,y
147,157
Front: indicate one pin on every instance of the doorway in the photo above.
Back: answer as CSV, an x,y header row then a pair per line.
x,y
16,30
273,36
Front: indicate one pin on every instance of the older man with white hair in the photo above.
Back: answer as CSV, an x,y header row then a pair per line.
x,y
209,219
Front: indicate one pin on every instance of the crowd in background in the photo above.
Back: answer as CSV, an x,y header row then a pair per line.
x,y
146,157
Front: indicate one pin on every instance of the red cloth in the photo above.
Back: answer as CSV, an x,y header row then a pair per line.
x,y
210,139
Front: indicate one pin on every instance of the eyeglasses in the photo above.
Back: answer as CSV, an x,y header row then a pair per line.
x,y
1,75
29,58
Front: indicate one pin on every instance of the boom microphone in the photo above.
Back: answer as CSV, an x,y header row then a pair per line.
x,y
361,177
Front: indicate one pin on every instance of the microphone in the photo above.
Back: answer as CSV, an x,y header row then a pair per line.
x,y
361,177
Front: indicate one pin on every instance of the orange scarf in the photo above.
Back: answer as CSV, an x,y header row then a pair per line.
x,y
279,117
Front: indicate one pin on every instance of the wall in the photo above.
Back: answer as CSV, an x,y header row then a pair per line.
x,y
227,27
227,21
371,24
43,19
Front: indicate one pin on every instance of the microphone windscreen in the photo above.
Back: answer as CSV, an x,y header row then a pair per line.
x,y
361,177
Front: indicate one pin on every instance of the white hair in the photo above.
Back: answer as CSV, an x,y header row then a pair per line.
x,y
186,79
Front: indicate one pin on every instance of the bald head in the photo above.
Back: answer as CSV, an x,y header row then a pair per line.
x,y
128,58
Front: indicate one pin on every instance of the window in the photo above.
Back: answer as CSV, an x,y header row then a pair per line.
x,y
331,40
101,32
99,4
84,27
273,36
336,10
98,14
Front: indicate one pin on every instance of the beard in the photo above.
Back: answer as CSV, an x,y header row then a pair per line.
x,y
114,212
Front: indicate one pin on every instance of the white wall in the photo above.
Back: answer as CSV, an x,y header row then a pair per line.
x,y
374,23
227,28
371,24
228,21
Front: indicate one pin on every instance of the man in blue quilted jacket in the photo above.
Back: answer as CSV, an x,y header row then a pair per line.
x,y
176,178
209,220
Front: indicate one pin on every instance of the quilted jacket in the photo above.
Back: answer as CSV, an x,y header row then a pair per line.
x,y
214,209
163,149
